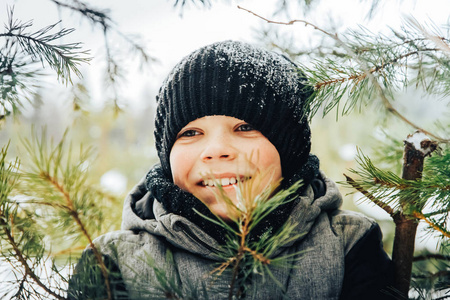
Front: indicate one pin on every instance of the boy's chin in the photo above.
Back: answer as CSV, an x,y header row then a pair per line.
x,y
217,206
212,196
224,213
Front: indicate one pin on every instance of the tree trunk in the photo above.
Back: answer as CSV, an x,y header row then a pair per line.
x,y
417,147
403,252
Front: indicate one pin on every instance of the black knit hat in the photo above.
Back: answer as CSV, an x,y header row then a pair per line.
x,y
235,79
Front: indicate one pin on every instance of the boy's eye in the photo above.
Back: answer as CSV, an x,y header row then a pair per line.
x,y
188,133
245,127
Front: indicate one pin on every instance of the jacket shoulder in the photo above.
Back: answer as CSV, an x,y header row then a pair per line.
x,y
128,241
350,226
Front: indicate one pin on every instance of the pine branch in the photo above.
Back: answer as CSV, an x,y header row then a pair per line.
x,y
74,213
96,16
372,198
8,180
358,78
17,78
407,184
433,225
411,193
439,41
138,48
115,71
63,59
255,200
390,187
23,260
48,168
438,212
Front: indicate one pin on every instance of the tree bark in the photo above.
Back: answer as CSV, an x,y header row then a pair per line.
x,y
406,225
403,252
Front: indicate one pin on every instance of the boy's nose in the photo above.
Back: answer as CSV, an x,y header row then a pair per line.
x,y
219,148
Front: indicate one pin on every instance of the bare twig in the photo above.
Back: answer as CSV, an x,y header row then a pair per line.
x,y
288,23
431,256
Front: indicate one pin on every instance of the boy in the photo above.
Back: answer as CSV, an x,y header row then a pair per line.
x,y
218,106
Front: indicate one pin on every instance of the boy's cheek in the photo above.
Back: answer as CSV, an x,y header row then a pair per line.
x,y
179,170
181,185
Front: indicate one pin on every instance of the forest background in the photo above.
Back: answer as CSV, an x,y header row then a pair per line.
x,y
111,106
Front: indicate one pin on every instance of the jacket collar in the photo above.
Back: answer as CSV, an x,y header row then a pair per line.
x,y
184,234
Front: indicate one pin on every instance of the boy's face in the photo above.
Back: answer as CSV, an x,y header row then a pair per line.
x,y
221,146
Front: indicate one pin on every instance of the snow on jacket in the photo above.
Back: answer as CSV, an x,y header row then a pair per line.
x,y
343,256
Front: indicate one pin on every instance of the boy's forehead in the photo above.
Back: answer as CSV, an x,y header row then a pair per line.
x,y
215,118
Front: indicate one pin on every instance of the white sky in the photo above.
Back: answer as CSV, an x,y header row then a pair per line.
x,y
169,37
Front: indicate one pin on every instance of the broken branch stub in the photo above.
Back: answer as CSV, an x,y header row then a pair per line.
x,y
417,147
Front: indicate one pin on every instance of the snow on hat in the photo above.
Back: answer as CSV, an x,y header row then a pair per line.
x,y
263,88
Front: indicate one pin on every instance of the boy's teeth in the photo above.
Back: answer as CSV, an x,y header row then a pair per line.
x,y
223,181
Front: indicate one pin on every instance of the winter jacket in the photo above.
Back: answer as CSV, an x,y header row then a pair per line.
x,y
342,256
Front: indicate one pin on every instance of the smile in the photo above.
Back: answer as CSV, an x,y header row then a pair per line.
x,y
222,181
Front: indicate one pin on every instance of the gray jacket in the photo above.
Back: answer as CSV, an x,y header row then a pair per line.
x,y
181,251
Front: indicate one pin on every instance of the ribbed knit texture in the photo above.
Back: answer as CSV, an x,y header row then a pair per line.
x,y
234,79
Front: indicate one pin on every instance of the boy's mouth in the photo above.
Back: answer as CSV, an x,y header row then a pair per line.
x,y
225,181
